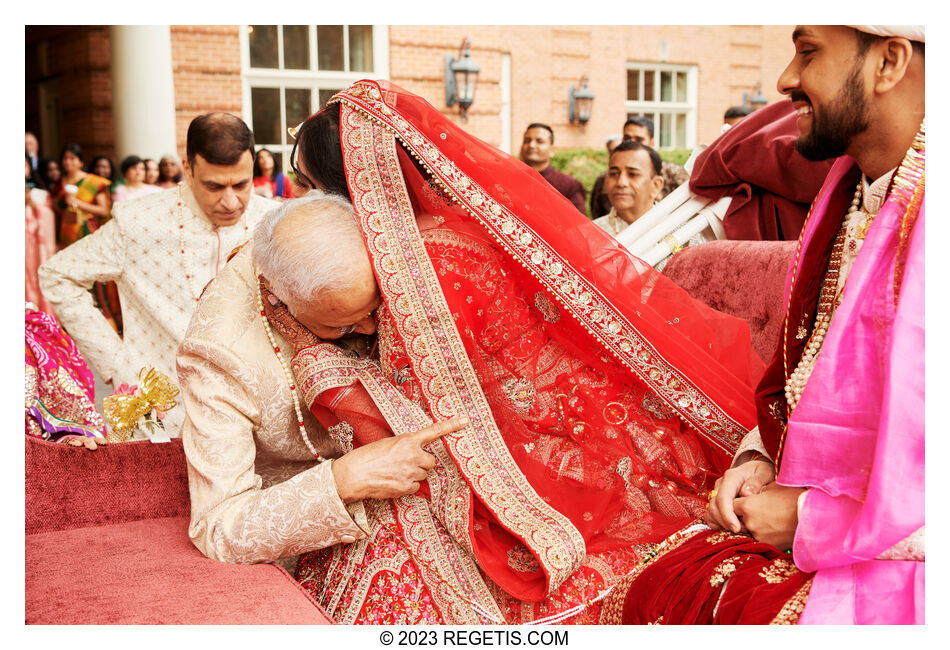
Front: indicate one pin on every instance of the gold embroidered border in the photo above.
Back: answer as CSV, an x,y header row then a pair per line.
x,y
409,282
452,577
792,609
611,612
582,300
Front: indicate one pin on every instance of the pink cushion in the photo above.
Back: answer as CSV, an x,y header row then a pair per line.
x,y
68,487
741,278
148,571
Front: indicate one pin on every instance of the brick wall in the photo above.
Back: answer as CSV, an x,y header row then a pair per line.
x,y
547,60
207,70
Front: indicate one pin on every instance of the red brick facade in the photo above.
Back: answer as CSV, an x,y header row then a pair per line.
x,y
545,61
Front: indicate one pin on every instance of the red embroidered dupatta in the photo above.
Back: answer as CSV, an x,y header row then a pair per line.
x,y
603,399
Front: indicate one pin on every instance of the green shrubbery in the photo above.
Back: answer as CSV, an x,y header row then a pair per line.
x,y
587,164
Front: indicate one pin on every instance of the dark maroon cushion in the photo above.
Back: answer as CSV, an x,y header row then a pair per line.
x,y
146,572
741,278
68,487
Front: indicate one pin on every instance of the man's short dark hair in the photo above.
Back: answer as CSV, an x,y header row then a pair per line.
x,y
641,120
633,145
219,138
129,162
539,125
737,111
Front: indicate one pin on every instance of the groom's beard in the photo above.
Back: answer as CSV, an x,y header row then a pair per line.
x,y
834,126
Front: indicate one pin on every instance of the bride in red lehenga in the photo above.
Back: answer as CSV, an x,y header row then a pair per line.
x,y
603,400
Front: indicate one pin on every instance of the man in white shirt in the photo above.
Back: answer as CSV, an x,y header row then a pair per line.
x,y
161,250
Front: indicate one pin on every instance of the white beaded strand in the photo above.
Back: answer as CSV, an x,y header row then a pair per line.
x,y
287,375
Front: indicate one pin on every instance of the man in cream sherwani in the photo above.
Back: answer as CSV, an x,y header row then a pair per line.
x,y
161,250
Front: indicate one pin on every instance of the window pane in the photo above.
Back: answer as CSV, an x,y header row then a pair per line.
x,y
265,115
361,48
666,86
680,130
633,85
649,77
262,40
297,105
296,47
681,86
665,131
330,47
326,94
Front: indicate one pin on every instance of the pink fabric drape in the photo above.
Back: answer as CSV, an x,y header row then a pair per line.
x,y
856,439
40,246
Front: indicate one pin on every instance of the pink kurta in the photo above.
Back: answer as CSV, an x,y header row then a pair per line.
x,y
856,439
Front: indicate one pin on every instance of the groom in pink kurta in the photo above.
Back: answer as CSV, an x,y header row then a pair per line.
x,y
835,470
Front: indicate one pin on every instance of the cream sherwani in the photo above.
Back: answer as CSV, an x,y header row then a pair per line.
x,y
256,493
140,249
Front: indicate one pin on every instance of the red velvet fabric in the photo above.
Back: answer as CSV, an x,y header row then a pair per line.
x,y
70,487
148,572
740,278
756,163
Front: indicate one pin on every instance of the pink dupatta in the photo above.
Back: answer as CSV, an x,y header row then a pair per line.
x,y
856,439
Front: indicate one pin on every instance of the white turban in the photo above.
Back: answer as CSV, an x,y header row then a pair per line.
x,y
910,32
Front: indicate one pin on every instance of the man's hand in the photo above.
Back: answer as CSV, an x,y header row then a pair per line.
x,y
771,516
284,322
745,480
83,441
390,467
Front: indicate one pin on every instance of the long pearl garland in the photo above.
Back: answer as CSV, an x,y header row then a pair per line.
x,y
288,375
181,246
826,307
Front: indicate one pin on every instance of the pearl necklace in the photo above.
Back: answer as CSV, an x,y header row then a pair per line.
x,y
827,300
287,374
181,246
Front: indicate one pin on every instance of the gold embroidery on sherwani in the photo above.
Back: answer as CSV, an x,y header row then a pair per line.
x,y
581,299
410,284
792,609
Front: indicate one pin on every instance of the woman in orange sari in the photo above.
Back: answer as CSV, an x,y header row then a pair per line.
x,y
603,401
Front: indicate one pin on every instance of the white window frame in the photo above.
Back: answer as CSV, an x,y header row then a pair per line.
x,y
312,78
653,108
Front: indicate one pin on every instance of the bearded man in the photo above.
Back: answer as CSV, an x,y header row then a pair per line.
x,y
834,472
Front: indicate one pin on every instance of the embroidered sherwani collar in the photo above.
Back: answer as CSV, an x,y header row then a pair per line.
x,y
874,193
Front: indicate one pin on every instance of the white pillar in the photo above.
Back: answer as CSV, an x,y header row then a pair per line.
x,y
143,91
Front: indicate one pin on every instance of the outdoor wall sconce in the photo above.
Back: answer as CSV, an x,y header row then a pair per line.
x,y
758,99
461,77
579,102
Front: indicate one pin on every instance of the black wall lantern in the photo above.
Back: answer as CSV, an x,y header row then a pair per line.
x,y
461,77
579,102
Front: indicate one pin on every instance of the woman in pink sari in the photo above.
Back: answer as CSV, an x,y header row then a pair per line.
x,y
603,401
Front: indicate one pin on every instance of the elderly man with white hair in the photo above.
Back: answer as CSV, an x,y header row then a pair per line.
x,y
266,479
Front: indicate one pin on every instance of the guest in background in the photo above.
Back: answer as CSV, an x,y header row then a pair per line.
x,y
40,236
633,183
83,203
133,170
599,201
269,182
51,175
536,150
151,172
103,167
640,129
32,147
734,115
169,171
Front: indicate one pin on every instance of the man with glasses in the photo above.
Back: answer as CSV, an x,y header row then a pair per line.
x,y
161,250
